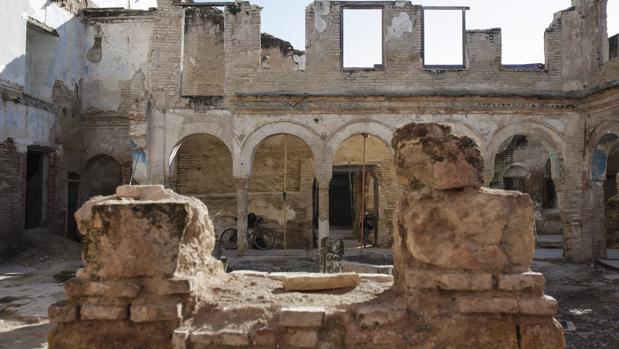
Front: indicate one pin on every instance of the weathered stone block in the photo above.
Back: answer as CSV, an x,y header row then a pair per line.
x,y
543,306
168,287
448,281
150,232
62,311
547,335
470,229
114,289
232,338
301,316
201,337
135,240
376,277
99,309
428,154
527,282
263,338
156,312
179,339
473,305
150,192
302,338
379,317
319,282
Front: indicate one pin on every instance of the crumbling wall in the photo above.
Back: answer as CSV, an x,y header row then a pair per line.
x,y
203,56
12,207
278,56
404,69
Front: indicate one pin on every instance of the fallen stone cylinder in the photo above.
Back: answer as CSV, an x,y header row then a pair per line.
x,y
320,282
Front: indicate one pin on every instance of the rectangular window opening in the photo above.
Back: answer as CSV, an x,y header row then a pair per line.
x,y
362,38
443,37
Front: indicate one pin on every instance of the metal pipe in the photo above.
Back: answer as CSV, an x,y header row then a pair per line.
x,y
362,215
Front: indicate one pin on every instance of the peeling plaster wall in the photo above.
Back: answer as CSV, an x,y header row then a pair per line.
x,y
124,53
66,58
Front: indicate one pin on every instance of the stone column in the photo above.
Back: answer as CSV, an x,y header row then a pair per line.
x,y
242,203
323,208
598,218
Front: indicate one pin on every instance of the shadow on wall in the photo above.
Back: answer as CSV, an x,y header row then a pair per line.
x,y
11,72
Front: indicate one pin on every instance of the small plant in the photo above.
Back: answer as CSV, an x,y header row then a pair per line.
x,y
64,276
234,9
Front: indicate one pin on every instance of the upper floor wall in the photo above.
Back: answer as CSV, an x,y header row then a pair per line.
x,y
576,50
41,44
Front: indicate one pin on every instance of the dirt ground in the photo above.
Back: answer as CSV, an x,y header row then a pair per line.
x,y
588,295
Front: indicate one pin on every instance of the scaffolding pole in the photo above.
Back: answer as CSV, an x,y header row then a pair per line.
x,y
284,194
362,215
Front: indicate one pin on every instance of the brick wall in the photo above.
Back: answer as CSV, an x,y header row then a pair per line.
x,y
203,63
12,192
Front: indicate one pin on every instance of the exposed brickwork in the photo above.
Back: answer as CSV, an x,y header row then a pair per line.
x,y
203,42
12,191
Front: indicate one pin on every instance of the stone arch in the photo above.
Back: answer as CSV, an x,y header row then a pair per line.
x,y
517,170
102,173
184,136
603,220
339,136
546,135
243,165
595,158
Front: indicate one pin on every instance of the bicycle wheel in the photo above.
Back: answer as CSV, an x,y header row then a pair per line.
x,y
264,239
228,239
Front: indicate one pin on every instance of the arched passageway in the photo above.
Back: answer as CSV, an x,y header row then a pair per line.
x,y
281,190
611,198
102,174
524,163
203,169
605,212
351,193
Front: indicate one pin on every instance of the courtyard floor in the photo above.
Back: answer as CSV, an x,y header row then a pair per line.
x,y
588,294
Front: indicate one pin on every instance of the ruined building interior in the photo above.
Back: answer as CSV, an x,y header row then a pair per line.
x,y
193,96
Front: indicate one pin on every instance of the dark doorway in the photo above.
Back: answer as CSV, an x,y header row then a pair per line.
x,y
340,201
36,189
101,177
73,192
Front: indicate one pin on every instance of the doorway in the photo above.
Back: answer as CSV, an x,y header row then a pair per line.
x,y
36,189
341,200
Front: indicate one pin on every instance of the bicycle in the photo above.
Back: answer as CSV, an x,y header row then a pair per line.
x,y
261,237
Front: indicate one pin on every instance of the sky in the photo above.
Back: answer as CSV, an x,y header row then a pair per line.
x,y
522,21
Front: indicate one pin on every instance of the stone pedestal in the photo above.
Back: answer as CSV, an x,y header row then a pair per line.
x,y
463,253
146,249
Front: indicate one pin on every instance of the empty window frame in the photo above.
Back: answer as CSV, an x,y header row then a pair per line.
x,y
362,38
444,36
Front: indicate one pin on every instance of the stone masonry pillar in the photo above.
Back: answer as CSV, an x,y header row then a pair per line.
x,y
598,217
242,203
323,211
